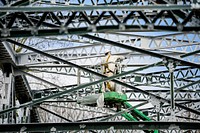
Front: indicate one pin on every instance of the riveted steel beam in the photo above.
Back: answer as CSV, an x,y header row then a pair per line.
x,y
48,127
84,30
99,7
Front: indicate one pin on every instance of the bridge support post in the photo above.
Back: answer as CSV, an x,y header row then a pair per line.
x,y
7,95
171,65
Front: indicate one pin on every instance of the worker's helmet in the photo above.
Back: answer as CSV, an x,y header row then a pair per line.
x,y
107,50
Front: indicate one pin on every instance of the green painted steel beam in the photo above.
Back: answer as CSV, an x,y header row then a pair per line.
x,y
99,7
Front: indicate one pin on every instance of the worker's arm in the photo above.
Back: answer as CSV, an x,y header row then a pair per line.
x,y
120,58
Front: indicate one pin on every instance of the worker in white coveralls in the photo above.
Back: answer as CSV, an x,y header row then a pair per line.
x,y
110,68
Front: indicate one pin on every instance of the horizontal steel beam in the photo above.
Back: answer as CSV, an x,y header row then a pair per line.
x,y
130,100
99,7
48,127
83,30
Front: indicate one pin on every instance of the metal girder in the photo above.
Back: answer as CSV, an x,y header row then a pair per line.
x,y
78,31
92,53
180,42
166,41
99,7
117,2
132,48
85,59
48,127
183,78
95,51
84,30
85,22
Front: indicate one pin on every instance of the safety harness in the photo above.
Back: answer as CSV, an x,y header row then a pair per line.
x,y
107,70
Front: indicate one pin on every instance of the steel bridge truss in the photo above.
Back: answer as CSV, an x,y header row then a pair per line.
x,y
51,52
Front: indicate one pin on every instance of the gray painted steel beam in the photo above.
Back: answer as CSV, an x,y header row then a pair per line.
x,y
98,126
83,30
99,7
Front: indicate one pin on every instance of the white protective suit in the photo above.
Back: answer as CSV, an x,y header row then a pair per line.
x,y
110,68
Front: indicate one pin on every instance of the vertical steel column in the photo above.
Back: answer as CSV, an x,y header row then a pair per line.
x,y
170,64
78,77
8,95
172,90
120,78
158,115
12,117
25,115
171,68
78,80
27,120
